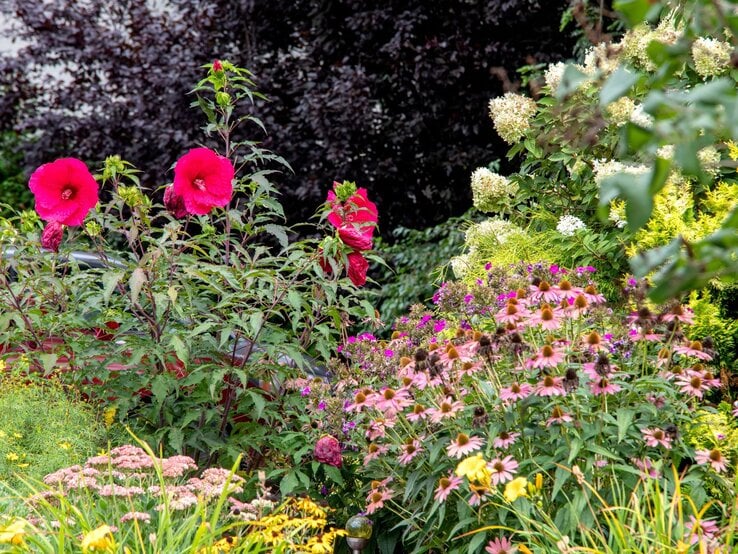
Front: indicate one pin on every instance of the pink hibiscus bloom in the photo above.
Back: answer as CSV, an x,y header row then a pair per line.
x,y
502,470
353,238
357,210
65,191
204,180
174,203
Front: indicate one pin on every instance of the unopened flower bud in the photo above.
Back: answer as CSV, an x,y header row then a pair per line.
x,y
344,190
174,203
52,236
352,238
222,98
217,65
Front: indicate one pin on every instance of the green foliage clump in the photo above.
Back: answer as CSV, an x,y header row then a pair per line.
x,y
708,322
42,428
13,187
711,429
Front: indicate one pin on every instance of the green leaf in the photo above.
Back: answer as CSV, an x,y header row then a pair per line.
x,y
278,232
179,348
637,11
289,483
617,85
136,283
624,417
110,280
334,474
570,81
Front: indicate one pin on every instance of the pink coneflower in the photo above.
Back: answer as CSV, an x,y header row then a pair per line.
x,y
546,317
463,445
377,428
409,451
469,368
692,383
512,313
713,457
477,495
679,313
663,358
603,386
648,470
417,413
566,290
592,296
393,401
501,545
543,292
697,529
516,391
445,486
575,308
558,416
447,408
550,386
735,408
548,356
655,436
644,333
505,439
365,398
374,451
377,499
593,341
693,349
502,470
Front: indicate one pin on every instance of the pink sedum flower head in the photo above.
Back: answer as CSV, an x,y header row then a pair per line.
x,y
204,180
52,236
65,191
328,451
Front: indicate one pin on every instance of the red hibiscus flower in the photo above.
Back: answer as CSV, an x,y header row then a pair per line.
x,y
357,210
174,203
328,451
52,236
353,238
65,191
204,180
357,266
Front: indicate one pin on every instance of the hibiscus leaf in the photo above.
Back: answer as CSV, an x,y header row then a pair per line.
x,y
279,233
136,283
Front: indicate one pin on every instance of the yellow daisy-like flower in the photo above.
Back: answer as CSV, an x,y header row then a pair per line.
x,y
516,488
308,507
98,540
12,457
13,533
524,549
65,445
109,416
474,468
732,150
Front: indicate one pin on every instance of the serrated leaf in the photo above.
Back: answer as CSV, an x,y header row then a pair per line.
x,y
136,283
110,280
288,484
179,349
279,232
334,474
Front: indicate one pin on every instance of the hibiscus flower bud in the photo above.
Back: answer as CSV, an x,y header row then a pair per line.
x,y
222,98
52,236
352,238
328,451
174,203
217,65
344,190
357,267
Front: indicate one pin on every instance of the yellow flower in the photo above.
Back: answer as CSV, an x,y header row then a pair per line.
x,y
474,468
17,435
13,533
65,445
98,540
109,416
515,489
732,150
11,457
3,434
524,549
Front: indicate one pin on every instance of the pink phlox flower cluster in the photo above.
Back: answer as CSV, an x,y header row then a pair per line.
x,y
119,490
136,516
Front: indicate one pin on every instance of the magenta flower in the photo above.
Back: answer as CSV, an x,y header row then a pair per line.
x,y
52,236
354,238
502,470
445,486
174,203
357,210
204,180
713,457
65,191
655,437
357,268
463,445
505,439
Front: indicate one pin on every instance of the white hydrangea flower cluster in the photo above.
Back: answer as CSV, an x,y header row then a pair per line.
x,y
553,75
711,57
490,231
489,188
666,152
640,117
461,265
603,57
606,168
511,115
636,41
568,225
621,111
709,158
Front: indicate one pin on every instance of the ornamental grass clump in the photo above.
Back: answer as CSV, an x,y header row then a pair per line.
x,y
501,415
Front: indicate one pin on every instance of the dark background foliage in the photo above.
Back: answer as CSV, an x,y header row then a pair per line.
x,y
391,94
